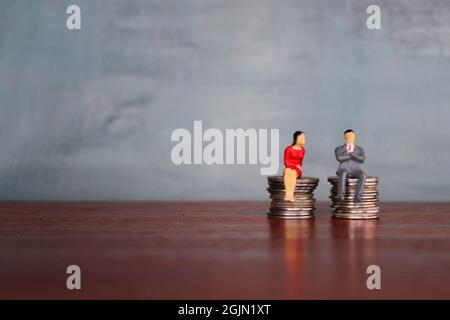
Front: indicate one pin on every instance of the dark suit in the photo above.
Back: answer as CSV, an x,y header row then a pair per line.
x,y
350,166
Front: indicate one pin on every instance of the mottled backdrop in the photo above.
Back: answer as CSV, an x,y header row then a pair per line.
x,y
88,114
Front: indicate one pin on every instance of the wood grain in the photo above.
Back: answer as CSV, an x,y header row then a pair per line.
x,y
222,250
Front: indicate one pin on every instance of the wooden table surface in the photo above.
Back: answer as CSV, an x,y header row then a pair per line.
x,y
223,250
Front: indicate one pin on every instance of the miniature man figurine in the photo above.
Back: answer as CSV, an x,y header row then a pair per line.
x,y
293,161
350,157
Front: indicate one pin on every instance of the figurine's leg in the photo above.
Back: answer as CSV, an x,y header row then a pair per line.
x,y
360,184
290,180
342,174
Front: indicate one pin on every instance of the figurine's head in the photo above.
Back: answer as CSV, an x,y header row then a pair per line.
x,y
349,136
299,139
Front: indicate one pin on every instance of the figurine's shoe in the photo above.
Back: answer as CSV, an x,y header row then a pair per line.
x,y
290,199
357,198
340,197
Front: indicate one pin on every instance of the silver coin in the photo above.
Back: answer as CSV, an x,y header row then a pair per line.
x,y
351,188
354,217
354,207
352,201
272,190
275,208
353,192
353,182
280,195
354,188
290,217
352,196
334,187
292,209
291,213
296,200
292,204
299,197
298,183
350,191
283,189
308,184
287,209
303,190
366,185
347,192
272,186
302,179
297,187
349,209
368,179
297,208
357,211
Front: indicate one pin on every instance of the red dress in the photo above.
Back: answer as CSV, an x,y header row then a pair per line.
x,y
294,158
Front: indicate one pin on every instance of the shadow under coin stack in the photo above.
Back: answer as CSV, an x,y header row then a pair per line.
x,y
304,205
348,209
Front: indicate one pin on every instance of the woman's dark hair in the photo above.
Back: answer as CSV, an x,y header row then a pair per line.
x,y
295,136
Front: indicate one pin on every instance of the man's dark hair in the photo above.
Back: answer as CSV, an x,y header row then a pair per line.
x,y
295,136
348,131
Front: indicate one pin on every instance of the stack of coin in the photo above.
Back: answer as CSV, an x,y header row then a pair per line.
x,y
304,202
348,209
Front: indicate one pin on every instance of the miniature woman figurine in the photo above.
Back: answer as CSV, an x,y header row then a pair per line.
x,y
293,160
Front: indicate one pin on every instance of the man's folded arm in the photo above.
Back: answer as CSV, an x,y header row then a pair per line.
x,y
341,156
359,158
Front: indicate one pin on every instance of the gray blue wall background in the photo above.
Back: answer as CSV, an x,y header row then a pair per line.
x,y
88,114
